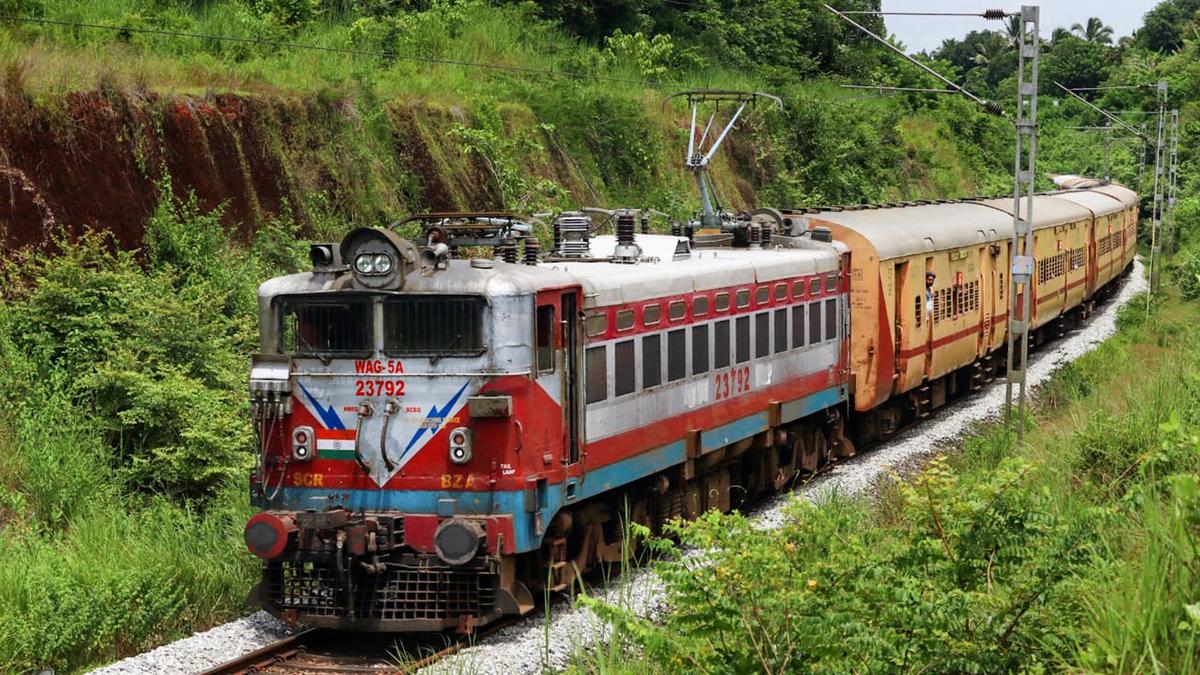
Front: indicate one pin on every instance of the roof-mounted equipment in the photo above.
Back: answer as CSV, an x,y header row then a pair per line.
x,y
701,151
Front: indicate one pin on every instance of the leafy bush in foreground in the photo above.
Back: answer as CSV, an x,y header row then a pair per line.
x,y
968,580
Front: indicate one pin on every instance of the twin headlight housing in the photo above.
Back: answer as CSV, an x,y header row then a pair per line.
x,y
379,258
374,263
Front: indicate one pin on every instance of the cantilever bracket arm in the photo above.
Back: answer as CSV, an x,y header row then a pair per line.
x,y
697,158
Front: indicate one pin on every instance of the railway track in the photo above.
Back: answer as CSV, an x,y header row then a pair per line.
x,y
316,651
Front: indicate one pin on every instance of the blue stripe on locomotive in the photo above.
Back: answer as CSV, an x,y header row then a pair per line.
x,y
595,482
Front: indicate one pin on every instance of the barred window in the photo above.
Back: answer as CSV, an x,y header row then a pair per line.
x,y
700,349
831,315
743,339
676,354
326,326
814,323
596,369
762,334
721,344
918,311
781,327
797,326
624,368
651,361
433,325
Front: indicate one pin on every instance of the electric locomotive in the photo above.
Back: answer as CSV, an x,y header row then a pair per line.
x,y
442,439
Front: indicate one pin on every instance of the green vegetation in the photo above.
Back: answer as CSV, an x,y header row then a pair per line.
x,y
123,427
123,436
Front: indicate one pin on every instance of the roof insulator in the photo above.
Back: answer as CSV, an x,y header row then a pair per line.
x,y
994,14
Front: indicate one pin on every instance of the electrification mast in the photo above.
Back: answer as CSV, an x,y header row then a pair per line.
x,y
1024,162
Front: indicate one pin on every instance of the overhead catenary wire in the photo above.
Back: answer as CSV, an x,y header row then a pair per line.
x,y
986,14
879,87
1102,111
1112,86
989,106
350,51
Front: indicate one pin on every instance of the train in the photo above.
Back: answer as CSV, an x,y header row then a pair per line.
x,y
448,429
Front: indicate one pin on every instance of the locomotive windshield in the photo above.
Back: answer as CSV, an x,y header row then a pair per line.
x,y
434,324
322,327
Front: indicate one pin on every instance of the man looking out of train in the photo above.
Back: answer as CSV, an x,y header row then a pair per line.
x,y
930,277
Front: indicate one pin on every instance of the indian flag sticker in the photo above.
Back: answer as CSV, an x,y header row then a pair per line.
x,y
335,443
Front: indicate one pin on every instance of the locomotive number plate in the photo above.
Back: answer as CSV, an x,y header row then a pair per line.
x,y
731,382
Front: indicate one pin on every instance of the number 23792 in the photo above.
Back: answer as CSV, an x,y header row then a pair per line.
x,y
731,383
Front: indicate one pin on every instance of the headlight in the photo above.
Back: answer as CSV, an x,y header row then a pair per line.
x,y
383,263
379,258
364,264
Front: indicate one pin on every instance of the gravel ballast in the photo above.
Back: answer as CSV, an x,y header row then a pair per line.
x,y
534,644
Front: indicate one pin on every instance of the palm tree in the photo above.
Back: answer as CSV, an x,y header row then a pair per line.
x,y
1013,28
1095,31
1059,33
990,49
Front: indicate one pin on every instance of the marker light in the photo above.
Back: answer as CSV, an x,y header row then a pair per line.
x,y
460,445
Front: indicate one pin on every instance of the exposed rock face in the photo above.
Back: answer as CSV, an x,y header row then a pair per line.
x,y
99,160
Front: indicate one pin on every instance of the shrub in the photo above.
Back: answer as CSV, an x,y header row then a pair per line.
x,y
969,580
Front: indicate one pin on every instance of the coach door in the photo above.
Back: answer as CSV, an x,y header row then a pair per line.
x,y
572,411
557,357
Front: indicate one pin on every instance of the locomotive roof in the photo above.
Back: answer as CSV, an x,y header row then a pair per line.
x,y
904,230
615,283
604,283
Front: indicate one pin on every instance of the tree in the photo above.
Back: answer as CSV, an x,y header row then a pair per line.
x,y
1059,33
1076,63
1166,25
989,50
1095,31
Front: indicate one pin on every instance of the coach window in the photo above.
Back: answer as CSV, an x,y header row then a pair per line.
x,y
814,323
596,324
762,335
597,373
700,305
814,286
721,344
743,339
781,326
625,319
831,282
797,326
700,349
623,368
311,327
762,295
831,315
545,339
676,355
798,289
743,297
722,302
781,292
677,310
651,361
652,314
